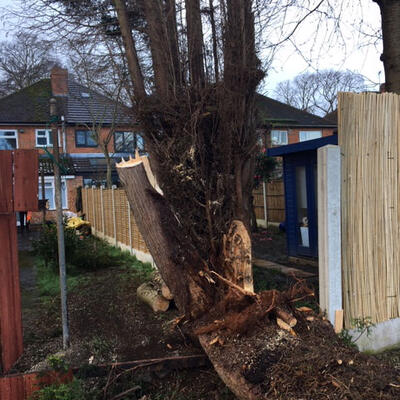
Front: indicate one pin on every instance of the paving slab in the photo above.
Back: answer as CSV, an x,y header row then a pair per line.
x,y
298,273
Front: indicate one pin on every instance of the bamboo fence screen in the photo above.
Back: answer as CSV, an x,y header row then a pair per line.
x,y
111,218
369,137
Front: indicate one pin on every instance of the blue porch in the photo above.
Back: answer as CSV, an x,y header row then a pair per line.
x,y
301,196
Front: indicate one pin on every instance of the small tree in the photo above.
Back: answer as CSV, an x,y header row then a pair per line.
x,y
317,92
24,60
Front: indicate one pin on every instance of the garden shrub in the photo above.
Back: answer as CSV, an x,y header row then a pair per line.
x,y
82,252
64,391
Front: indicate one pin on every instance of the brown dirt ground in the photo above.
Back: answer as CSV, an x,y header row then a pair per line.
x,y
106,323
109,324
313,364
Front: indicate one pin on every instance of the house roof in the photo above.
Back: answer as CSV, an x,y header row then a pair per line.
x,y
29,105
332,116
275,113
302,146
85,106
81,106
88,106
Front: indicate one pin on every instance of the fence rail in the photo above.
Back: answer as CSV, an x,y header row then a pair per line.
x,y
111,218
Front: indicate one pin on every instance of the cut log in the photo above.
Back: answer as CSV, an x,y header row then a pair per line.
x,y
161,285
149,295
286,317
166,292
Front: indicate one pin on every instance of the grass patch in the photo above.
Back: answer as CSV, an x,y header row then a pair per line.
x,y
83,255
268,279
48,280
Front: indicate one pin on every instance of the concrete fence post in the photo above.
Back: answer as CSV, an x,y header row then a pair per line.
x,y
329,233
265,204
102,209
94,209
113,213
129,226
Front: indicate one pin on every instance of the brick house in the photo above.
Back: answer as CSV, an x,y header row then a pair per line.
x,y
25,124
281,124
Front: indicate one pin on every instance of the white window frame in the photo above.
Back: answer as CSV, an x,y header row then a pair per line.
x,y
10,137
50,179
281,133
48,136
304,135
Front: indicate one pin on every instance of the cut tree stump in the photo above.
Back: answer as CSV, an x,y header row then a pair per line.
x,y
149,295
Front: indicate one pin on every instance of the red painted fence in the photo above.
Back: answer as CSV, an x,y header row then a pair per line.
x,y
22,386
18,192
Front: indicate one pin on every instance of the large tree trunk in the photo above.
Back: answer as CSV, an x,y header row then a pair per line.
x,y
177,260
211,302
390,13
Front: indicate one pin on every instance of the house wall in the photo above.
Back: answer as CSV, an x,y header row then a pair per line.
x,y
27,138
71,144
72,185
293,134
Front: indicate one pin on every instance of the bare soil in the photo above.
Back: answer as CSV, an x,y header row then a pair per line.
x,y
314,364
107,324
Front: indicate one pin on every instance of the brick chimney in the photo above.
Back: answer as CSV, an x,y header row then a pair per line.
x,y
59,81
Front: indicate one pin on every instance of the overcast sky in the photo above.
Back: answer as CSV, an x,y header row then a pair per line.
x,y
288,62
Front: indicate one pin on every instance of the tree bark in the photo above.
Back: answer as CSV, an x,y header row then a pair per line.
x,y
195,42
159,47
214,40
130,50
109,167
390,13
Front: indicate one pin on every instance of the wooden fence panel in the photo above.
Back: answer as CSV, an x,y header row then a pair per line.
x,y
6,182
369,127
10,298
275,200
108,210
23,386
26,176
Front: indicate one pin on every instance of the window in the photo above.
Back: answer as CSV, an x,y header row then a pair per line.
x,y
309,135
128,142
84,139
50,193
44,138
279,137
8,140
